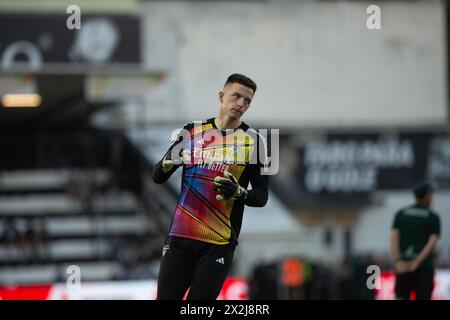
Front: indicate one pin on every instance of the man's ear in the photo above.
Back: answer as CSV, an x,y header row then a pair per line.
x,y
221,96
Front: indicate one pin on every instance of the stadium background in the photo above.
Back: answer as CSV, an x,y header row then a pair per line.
x,y
362,114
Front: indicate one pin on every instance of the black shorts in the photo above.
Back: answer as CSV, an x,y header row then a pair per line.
x,y
420,281
198,266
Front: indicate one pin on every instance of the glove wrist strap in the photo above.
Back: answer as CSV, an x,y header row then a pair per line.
x,y
242,193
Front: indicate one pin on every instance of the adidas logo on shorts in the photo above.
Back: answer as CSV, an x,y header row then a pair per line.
x,y
166,247
221,260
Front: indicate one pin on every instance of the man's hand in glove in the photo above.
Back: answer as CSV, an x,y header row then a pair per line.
x,y
168,163
228,187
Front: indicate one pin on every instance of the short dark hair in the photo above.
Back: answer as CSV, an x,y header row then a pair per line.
x,y
422,188
241,79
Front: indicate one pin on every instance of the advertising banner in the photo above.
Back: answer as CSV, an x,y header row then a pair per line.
x,y
50,39
234,288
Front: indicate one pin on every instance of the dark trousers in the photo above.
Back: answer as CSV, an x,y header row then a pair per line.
x,y
198,266
420,281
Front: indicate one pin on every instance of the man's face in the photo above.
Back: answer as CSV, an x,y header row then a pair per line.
x,y
426,200
235,99
429,198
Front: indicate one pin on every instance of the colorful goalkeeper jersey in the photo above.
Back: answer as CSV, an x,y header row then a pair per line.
x,y
207,152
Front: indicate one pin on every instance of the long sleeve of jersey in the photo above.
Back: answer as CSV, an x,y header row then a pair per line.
x,y
159,176
259,194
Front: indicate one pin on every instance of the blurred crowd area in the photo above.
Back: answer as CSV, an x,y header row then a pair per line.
x,y
25,238
303,279
314,281
53,219
26,242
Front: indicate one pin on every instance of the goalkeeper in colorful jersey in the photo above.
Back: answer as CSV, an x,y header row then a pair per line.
x,y
220,157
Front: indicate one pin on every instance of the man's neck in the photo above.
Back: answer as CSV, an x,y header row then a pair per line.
x,y
224,123
423,203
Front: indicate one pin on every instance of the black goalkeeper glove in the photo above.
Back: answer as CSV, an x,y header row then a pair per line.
x,y
168,164
228,187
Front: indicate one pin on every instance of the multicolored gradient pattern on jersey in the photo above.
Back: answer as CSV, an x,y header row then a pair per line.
x,y
198,214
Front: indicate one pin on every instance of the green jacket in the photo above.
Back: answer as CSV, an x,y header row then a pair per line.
x,y
415,225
